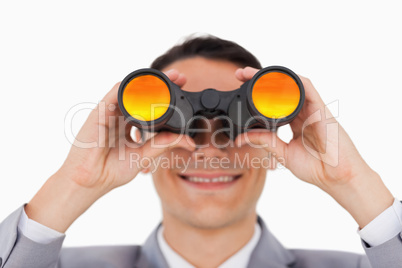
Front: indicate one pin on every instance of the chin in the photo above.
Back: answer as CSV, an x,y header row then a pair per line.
x,y
209,199
210,213
210,218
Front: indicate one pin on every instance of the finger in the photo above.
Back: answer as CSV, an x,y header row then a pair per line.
x,y
146,135
176,77
249,72
245,74
181,80
107,109
111,96
239,75
311,93
313,102
127,132
263,138
172,74
140,136
117,128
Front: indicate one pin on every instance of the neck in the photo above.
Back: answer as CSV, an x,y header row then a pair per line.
x,y
208,247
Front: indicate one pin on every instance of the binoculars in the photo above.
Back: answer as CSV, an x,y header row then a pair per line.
x,y
151,102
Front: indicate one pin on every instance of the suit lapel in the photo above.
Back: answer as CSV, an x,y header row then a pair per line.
x,y
268,253
151,255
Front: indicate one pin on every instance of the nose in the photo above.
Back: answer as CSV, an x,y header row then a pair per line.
x,y
211,141
209,152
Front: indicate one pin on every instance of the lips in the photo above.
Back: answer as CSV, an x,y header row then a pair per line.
x,y
210,181
216,179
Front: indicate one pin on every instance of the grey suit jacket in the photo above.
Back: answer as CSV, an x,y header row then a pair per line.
x,y
16,250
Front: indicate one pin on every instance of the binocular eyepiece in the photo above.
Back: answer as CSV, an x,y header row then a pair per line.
x,y
151,102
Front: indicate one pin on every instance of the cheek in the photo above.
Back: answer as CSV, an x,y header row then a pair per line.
x,y
164,185
254,162
158,182
258,162
165,167
252,159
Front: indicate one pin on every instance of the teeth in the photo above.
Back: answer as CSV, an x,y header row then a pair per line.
x,y
206,180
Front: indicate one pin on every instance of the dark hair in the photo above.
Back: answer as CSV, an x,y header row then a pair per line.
x,y
210,47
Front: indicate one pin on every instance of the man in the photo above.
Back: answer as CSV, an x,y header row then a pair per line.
x,y
209,213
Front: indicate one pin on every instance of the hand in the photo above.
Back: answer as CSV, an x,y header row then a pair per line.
x,y
89,173
322,154
107,165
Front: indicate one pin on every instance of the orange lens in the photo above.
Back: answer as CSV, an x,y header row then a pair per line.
x,y
146,97
275,95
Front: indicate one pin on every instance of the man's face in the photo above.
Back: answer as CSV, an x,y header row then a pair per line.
x,y
215,190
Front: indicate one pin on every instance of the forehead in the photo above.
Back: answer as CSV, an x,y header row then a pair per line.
x,y
202,73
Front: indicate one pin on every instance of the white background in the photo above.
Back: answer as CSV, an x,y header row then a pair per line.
x,y
54,55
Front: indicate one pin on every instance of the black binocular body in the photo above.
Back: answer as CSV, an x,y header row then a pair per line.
x,y
151,102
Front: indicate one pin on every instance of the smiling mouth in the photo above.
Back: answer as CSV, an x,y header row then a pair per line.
x,y
209,179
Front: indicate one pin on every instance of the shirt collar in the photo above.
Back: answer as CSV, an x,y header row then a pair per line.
x,y
267,253
239,259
